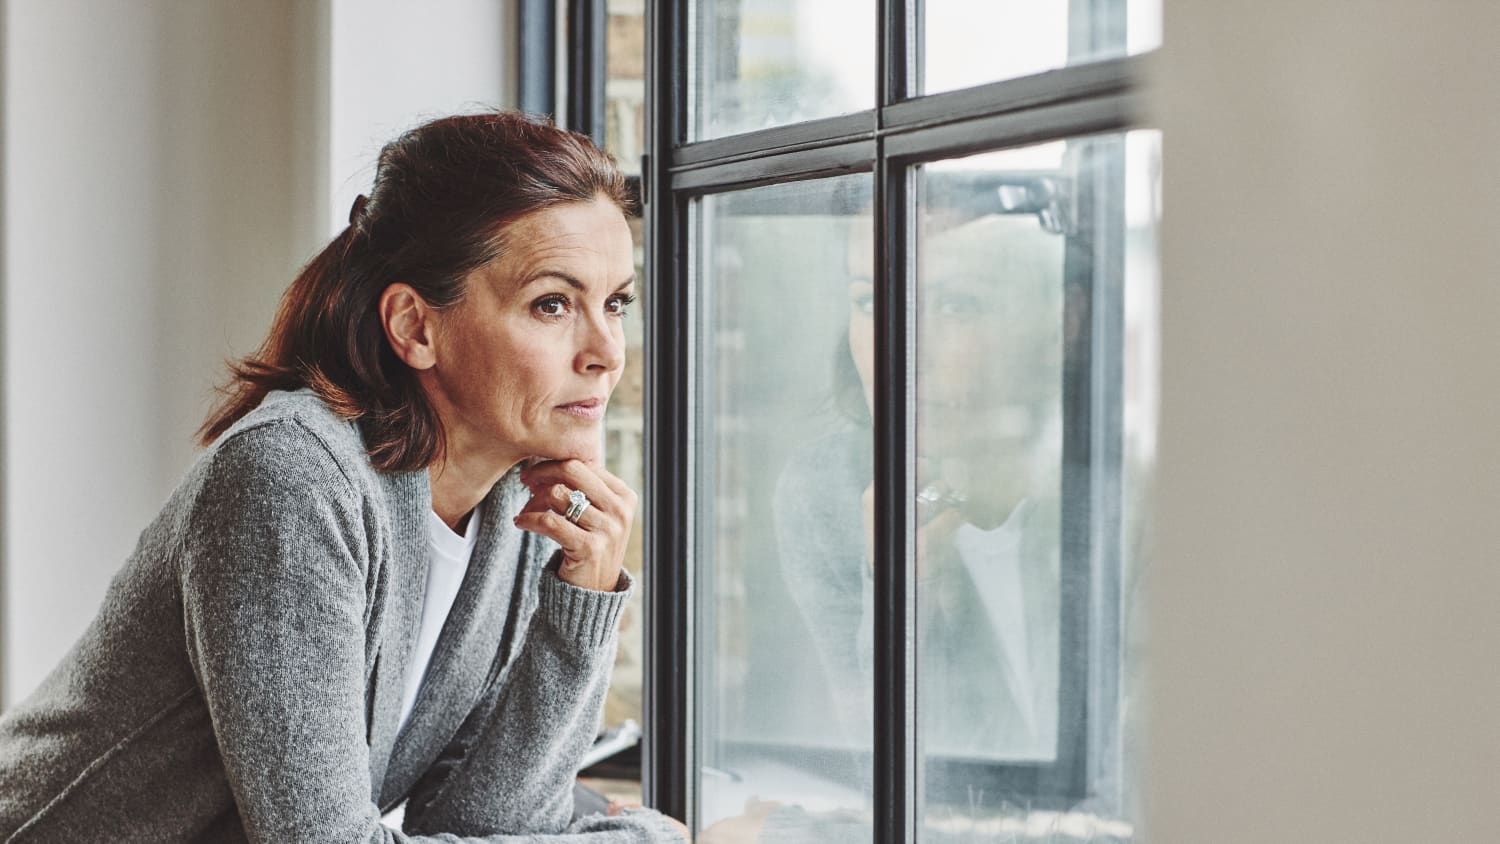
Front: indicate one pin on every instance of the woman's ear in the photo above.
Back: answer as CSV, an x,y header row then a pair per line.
x,y
409,324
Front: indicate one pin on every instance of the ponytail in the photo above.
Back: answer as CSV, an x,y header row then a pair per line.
x,y
443,193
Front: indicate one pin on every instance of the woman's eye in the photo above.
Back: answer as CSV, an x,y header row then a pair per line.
x,y
619,305
956,305
551,306
862,296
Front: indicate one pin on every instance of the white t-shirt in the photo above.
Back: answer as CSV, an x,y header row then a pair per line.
x,y
447,560
995,561
993,558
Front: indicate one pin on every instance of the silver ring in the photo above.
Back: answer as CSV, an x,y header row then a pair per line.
x,y
577,503
933,494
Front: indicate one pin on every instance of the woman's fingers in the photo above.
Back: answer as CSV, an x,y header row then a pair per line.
x,y
936,525
594,543
611,503
574,540
616,807
559,498
680,827
574,474
936,552
620,488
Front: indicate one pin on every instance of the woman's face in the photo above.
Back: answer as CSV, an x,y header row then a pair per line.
x,y
527,360
987,332
988,320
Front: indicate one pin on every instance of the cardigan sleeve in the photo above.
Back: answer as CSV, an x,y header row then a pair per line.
x,y
513,762
820,544
274,567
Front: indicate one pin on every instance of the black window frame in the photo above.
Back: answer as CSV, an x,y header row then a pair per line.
x,y
579,89
901,131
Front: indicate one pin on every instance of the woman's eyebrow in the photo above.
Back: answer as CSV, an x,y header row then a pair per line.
x,y
571,281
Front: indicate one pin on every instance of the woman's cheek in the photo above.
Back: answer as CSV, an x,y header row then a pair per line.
x,y
862,350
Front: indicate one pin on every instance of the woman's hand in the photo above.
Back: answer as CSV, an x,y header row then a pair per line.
x,y
593,547
741,829
937,525
616,807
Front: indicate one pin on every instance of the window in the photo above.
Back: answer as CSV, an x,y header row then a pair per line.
x,y
901,344
901,382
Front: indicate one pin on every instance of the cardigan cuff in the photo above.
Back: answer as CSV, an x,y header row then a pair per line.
x,y
582,617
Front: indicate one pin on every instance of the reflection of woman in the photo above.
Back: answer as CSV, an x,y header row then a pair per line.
x,y
394,574
989,320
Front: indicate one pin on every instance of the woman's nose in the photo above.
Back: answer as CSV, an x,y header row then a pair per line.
x,y
600,349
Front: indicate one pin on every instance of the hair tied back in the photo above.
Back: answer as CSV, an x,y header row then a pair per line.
x,y
357,209
442,195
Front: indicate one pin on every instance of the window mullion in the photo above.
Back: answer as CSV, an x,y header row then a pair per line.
x,y
538,78
894,736
586,72
667,765
898,61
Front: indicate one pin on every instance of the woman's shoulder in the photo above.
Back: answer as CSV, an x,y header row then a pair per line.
x,y
818,492
840,459
292,440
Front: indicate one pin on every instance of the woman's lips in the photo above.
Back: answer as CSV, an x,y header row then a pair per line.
x,y
592,409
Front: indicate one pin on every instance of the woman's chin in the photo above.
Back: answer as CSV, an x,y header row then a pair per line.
x,y
589,450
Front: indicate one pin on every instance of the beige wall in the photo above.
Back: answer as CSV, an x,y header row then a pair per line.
x,y
1326,595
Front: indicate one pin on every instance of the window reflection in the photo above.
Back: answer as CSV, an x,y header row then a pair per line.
x,y
783,681
764,63
988,451
967,43
1034,399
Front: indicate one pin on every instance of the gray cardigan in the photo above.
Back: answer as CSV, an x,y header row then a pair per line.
x,y
243,679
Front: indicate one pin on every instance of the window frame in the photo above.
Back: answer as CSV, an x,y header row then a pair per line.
x,y
577,85
888,141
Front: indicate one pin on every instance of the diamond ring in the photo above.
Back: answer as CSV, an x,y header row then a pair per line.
x,y
577,503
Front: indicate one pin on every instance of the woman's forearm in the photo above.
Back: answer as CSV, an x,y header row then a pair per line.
x,y
513,763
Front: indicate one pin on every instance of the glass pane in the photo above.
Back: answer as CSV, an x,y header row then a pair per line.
x,y
781,473
761,63
1035,407
968,43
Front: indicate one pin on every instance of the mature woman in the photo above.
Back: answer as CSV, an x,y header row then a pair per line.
x,y
988,406
395,572
989,322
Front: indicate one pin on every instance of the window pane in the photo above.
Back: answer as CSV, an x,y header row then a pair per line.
x,y
968,43
782,466
762,63
1035,407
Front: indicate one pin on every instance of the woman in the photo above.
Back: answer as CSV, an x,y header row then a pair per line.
x,y
989,317
395,572
989,322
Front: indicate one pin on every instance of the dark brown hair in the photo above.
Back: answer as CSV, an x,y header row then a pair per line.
x,y
444,193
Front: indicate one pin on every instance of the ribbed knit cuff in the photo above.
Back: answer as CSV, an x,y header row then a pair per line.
x,y
582,617
661,828
654,824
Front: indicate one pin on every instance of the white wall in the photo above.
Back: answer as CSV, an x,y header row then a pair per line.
x,y
1326,597
168,167
396,63
159,192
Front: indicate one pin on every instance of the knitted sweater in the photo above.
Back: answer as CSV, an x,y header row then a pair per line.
x,y
243,679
